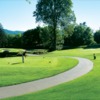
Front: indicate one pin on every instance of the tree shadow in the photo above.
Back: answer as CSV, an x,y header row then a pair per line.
x,y
16,63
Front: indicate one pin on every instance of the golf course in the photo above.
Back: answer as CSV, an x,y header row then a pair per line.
x,y
50,50
51,64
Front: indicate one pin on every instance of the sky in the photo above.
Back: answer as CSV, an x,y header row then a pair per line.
x,y
18,14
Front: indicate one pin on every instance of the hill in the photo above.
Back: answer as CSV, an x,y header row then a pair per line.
x,y
12,32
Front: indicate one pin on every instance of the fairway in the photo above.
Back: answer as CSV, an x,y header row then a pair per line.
x,y
86,87
13,71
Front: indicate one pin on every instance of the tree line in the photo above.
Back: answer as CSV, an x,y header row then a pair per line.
x,y
42,37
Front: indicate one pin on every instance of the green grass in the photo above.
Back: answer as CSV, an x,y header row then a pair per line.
x,y
86,87
13,71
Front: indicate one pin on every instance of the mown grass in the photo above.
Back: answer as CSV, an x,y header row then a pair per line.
x,y
13,71
86,87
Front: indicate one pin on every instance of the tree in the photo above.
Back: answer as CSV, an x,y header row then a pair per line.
x,y
46,37
14,41
82,35
68,32
88,36
53,13
97,36
28,1
10,43
60,40
31,38
3,37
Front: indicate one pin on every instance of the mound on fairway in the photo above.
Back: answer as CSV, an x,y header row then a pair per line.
x,y
13,71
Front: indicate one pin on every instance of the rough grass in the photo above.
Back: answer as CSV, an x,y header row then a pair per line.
x,y
13,71
86,87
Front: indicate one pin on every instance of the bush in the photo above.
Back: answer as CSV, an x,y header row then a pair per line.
x,y
37,51
5,53
93,46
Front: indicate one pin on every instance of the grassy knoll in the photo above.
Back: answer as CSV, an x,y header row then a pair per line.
x,y
13,71
86,87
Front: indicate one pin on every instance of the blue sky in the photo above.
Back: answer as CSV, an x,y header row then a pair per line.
x,y
88,11
18,14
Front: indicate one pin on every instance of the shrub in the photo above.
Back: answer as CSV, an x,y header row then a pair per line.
x,y
5,53
37,51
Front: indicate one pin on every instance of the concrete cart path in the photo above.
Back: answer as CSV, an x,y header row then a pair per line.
x,y
83,67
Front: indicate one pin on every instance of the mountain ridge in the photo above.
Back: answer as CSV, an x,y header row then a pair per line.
x,y
13,32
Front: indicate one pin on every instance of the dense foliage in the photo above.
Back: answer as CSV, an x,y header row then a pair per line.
x,y
82,35
97,36
3,37
54,13
42,37
79,35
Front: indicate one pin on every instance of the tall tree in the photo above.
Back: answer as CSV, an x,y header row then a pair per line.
x,y
53,13
3,37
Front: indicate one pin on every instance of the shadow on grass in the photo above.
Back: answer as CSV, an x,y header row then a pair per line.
x,y
16,63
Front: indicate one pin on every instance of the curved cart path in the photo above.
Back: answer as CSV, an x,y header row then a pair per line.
x,y
82,68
